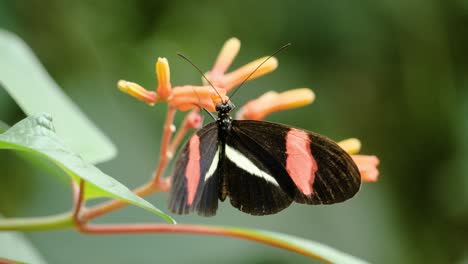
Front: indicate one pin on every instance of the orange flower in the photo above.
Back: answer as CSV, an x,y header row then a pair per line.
x,y
350,145
189,96
225,58
183,98
367,165
163,74
137,91
228,81
236,77
272,101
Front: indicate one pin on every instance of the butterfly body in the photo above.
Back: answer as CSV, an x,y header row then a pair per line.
x,y
261,166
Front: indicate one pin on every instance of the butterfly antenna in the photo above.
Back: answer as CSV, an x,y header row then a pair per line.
x,y
200,104
193,89
258,67
200,71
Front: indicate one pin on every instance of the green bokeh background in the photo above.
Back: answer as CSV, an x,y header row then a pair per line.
x,y
393,73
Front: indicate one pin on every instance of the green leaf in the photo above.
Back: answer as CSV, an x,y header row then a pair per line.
x,y
14,246
3,126
35,135
299,245
28,83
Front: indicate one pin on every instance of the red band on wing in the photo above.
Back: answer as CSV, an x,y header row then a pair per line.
x,y
192,171
300,163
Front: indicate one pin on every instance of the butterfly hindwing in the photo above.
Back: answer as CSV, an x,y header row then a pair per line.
x,y
322,172
190,190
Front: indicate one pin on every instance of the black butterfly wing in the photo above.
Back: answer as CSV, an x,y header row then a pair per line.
x,y
254,181
191,188
262,167
320,171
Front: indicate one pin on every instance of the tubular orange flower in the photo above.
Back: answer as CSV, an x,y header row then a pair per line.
x,y
225,58
350,145
164,78
232,79
367,166
183,98
188,97
137,91
272,101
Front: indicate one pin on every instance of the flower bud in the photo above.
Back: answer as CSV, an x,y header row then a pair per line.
x,y
236,77
350,145
226,57
164,78
367,166
137,91
271,102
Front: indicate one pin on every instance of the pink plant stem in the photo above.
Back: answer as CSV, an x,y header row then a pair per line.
x,y
7,261
178,138
166,139
78,199
75,190
108,229
156,184
189,229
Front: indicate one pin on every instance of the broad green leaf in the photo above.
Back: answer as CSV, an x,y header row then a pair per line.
x,y
14,246
35,135
299,245
3,126
28,83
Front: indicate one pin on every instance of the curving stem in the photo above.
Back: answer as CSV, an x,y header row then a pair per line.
x,y
156,184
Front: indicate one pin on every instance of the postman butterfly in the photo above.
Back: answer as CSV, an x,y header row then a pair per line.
x,y
261,166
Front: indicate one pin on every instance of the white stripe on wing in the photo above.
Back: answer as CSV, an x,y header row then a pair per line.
x,y
244,163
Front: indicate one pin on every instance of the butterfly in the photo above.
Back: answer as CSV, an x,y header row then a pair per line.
x,y
261,166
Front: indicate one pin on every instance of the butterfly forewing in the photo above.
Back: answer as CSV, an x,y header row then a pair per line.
x,y
322,172
190,190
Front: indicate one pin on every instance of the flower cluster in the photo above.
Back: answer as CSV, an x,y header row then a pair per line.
x,y
188,97
181,97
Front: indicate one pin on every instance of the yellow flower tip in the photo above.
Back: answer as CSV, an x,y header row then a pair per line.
x,y
367,166
271,102
294,98
351,145
163,74
122,85
232,44
236,77
189,97
226,56
137,91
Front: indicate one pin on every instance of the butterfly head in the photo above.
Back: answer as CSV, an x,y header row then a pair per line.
x,y
224,119
225,107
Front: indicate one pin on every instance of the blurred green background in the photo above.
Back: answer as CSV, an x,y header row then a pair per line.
x,y
393,73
